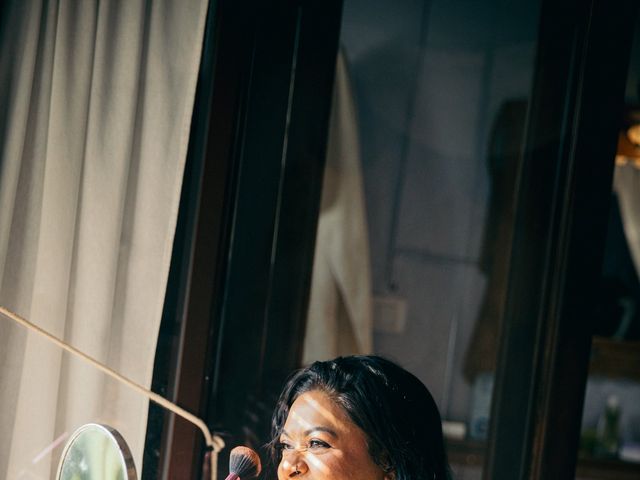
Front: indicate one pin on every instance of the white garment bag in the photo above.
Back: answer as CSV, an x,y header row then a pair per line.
x,y
339,320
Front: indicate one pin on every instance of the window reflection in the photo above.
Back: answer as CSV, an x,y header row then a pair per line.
x,y
439,91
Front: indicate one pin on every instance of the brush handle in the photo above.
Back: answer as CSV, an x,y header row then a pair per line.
x,y
232,476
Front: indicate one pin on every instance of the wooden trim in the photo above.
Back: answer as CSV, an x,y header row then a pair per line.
x,y
471,454
190,326
591,469
563,198
615,359
281,152
584,206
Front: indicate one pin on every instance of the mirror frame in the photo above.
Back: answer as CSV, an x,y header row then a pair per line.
x,y
125,453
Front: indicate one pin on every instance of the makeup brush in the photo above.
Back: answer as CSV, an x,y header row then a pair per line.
x,y
244,464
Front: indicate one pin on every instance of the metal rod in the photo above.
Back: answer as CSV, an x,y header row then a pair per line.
x,y
213,441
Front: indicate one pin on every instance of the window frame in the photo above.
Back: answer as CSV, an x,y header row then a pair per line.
x,y
238,293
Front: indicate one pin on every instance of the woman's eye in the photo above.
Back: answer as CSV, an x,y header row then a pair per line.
x,y
284,446
318,444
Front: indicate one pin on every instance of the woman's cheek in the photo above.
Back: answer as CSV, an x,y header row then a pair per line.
x,y
323,464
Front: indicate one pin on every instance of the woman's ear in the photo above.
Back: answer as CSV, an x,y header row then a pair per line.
x,y
387,468
390,475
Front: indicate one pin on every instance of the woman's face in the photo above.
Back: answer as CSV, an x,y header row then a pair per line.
x,y
320,442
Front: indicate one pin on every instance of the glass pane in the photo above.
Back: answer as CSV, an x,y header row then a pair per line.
x,y
610,437
416,216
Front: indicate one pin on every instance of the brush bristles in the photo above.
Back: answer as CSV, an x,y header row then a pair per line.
x,y
245,463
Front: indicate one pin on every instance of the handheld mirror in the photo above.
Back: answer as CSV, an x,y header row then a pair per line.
x,y
96,452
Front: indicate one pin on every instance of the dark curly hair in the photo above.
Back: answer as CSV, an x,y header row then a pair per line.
x,y
390,405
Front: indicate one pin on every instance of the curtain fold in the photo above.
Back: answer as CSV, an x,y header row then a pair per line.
x,y
339,320
97,100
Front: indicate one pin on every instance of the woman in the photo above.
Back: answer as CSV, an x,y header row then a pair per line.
x,y
357,418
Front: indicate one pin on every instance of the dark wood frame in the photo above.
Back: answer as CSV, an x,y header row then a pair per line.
x,y
238,291
263,303
559,233
189,324
240,273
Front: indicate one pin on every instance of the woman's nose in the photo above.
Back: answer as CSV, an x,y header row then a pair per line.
x,y
294,465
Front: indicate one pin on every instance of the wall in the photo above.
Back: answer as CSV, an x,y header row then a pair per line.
x,y
429,78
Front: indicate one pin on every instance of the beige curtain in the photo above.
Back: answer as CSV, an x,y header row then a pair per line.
x,y
626,184
339,321
96,102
